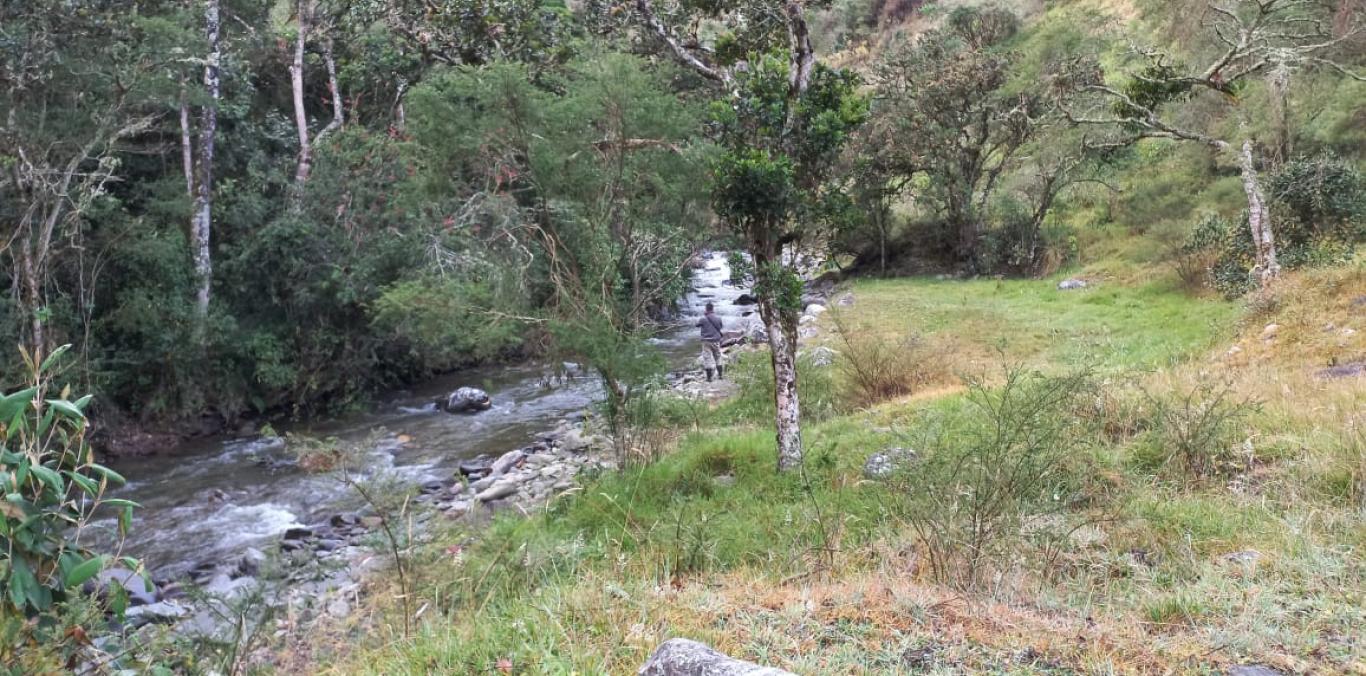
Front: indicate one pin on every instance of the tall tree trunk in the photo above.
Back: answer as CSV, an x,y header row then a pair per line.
x,y
1258,219
208,128
782,343
1279,88
186,144
296,80
338,108
32,293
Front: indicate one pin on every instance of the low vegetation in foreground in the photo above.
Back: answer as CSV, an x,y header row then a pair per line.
x,y
1163,485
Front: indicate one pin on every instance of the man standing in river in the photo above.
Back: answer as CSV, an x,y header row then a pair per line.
x,y
712,361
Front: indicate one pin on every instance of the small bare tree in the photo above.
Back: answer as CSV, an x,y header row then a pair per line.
x,y
1254,38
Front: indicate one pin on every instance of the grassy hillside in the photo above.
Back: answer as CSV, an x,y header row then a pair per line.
x,y
1258,561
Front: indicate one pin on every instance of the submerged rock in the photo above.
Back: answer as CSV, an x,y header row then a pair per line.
x,y
682,657
466,400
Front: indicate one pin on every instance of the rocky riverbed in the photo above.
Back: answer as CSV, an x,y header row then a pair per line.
x,y
316,569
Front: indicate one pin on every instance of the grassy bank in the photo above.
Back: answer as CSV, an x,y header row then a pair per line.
x,y
1153,540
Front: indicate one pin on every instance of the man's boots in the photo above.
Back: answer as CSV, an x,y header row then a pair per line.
x,y
720,372
710,373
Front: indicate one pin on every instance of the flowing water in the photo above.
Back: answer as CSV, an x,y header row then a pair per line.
x,y
216,497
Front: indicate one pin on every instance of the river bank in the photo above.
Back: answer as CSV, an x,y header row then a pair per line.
x,y
225,522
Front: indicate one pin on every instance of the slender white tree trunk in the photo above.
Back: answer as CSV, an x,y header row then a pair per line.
x,y
296,79
1258,218
338,109
203,202
186,144
782,343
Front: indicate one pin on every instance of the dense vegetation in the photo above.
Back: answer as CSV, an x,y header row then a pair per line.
x,y
275,208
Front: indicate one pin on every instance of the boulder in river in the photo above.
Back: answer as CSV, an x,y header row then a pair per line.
x,y
745,299
466,400
682,657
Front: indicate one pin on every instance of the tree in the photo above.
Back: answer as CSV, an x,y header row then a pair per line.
x,y
781,119
201,222
310,17
77,85
608,193
952,119
1251,38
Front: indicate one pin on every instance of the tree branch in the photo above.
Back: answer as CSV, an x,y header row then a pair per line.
x,y
680,52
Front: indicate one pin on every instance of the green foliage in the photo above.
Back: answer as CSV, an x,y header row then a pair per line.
x,y
1319,204
1198,428
51,488
1316,218
1152,87
996,475
448,322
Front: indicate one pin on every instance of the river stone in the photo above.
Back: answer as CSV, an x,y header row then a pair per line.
x,y
297,533
822,356
745,299
250,562
497,491
466,400
1254,670
682,657
141,592
482,483
506,462
575,441
162,612
884,464
477,467
1069,284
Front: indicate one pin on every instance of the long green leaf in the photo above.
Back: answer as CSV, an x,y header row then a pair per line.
x,y
50,478
109,474
67,408
78,575
12,405
52,358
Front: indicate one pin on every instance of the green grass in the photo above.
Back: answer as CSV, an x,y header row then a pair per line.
x,y
711,543
1106,326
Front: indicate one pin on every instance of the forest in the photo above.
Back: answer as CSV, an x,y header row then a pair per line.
x,y
218,217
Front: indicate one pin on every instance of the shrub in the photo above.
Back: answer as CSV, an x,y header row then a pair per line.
x,y
874,369
995,475
1317,205
1196,428
52,488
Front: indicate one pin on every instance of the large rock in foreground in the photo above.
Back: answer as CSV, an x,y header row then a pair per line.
x,y
681,657
466,400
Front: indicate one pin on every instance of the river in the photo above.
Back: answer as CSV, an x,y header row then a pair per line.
x,y
214,498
